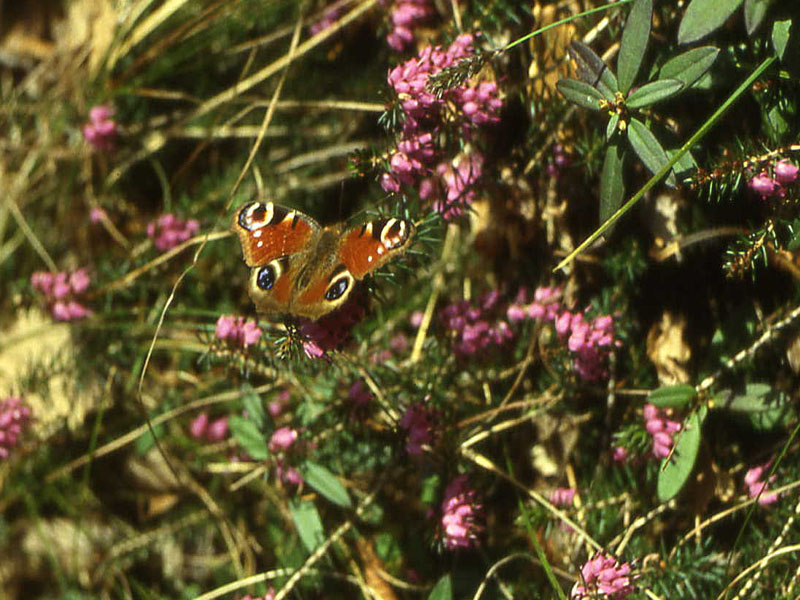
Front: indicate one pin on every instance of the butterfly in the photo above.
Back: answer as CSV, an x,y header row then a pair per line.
x,y
303,269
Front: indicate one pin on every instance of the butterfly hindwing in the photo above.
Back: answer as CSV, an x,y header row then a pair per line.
x,y
268,232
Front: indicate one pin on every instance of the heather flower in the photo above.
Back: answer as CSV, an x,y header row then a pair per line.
x,y
168,231
418,421
474,328
330,331
620,454
101,130
288,475
15,416
757,487
454,187
359,396
766,187
461,515
661,428
329,17
406,15
786,172
209,431
238,331
560,160
282,439
545,305
62,293
588,341
97,215
562,496
603,577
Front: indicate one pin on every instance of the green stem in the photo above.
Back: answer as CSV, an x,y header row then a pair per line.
x,y
562,22
666,168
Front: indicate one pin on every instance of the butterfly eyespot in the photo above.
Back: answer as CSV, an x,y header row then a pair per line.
x,y
266,277
337,289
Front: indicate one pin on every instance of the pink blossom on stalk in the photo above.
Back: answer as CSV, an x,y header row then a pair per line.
x,y
169,231
406,15
454,187
96,214
562,496
461,515
288,475
786,172
765,186
661,428
330,331
101,130
214,431
237,330
270,595
329,18
620,454
588,341
757,487
61,293
474,328
15,416
418,421
282,439
603,577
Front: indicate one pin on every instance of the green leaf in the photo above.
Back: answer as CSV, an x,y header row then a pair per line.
x,y
443,590
580,93
254,406
675,473
704,16
755,399
690,66
634,43
612,184
653,92
754,13
685,162
781,33
309,525
326,483
249,436
612,126
592,70
672,396
648,148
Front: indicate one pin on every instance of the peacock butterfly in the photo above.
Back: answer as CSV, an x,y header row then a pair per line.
x,y
303,269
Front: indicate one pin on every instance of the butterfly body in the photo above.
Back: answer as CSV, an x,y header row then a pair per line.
x,y
303,269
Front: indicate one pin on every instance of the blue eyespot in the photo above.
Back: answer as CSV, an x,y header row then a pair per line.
x,y
337,289
266,277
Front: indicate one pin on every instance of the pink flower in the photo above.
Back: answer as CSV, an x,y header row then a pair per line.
x,y
661,429
238,331
199,426
282,439
461,515
217,430
169,231
329,18
766,187
15,417
562,496
418,421
620,454
270,595
61,293
786,172
757,487
330,331
101,130
588,341
406,15
475,328
359,395
603,577
96,215
288,475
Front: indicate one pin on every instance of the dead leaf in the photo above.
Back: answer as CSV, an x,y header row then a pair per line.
x,y
667,349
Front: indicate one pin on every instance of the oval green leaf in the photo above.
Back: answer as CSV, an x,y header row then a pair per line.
x,y
634,43
249,437
612,126
648,148
592,69
781,31
443,590
254,406
309,525
326,483
653,92
672,396
612,184
675,473
580,93
704,16
689,66
754,13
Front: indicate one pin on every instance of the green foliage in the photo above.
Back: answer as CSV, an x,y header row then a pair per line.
x,y
675,470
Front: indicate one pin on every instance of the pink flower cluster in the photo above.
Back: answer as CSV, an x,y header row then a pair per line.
x,y
15,417
282,442
768,187
560,160
330,331
329,17
209,431
406,15
168,231
545,305
472,327
562,496
238,331
416,161
61,292
588,341
756,485
101,130
662,428
461,515
419,421
603,577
